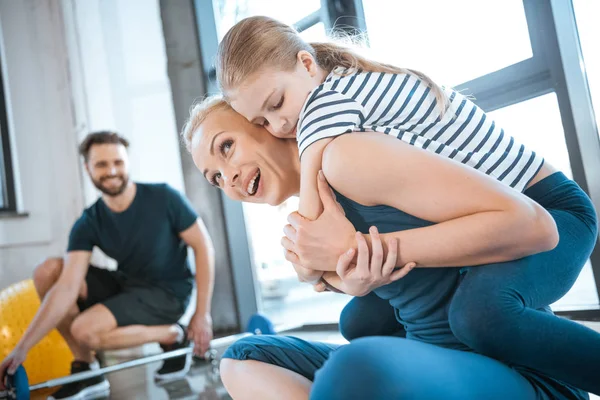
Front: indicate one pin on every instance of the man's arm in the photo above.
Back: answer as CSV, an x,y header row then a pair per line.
x,y
197,237
59,299
200,328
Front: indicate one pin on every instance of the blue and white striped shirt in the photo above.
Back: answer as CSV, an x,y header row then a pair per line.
x,y
404,106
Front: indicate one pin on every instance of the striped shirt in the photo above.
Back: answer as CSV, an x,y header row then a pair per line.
x,y
404,106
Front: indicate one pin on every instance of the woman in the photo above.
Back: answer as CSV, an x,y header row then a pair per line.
x,y
455,168
435,363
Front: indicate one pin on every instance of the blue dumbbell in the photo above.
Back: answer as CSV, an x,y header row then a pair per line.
x,y
17,385
260,325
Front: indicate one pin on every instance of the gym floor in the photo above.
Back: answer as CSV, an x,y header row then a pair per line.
x,y
201,383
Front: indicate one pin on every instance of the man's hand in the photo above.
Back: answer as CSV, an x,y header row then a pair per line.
x,y
200,332
319,243
11,363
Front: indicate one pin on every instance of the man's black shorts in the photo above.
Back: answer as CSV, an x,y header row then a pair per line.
x,y
131,301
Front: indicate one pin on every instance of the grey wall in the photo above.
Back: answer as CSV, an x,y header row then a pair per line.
x,y
185,74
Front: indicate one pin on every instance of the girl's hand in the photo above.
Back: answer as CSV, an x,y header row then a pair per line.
x,y
318,244
366,275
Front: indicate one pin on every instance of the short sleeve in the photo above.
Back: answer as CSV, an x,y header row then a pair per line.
x,y
81,237
180,210
328,114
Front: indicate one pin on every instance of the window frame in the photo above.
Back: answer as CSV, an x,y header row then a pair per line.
x,y
9,201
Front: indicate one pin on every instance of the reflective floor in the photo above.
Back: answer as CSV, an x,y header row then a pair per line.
x,y
201,383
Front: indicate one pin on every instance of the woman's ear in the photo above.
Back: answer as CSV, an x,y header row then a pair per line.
x,y
308,62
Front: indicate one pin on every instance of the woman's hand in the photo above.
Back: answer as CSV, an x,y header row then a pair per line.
x,y
307,275
367,275
318,244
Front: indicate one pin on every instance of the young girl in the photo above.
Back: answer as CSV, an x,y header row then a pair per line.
x,y
320,91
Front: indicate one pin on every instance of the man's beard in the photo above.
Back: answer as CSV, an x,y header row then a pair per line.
x,y
113,191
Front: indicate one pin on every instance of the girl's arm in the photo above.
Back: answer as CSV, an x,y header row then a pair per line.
x,y
310,205
478,219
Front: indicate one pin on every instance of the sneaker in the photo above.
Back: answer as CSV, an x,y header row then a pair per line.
x,y
88,389
178,367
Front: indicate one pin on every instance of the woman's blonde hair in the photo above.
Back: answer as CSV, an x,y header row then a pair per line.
x,y
258,42
199,111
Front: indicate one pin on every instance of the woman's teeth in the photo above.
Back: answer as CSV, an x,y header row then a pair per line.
x,y
253,184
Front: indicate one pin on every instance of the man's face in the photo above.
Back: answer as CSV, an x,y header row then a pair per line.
x,y
107,166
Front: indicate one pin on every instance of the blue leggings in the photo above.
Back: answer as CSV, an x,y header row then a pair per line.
x,y
495,310
381,368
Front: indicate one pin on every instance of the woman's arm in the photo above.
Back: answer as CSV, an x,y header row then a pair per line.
x,y
479,220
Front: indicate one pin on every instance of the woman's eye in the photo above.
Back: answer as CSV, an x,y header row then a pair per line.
x,y
225,146
215,179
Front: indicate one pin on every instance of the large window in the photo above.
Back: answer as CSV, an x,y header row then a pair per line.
x,y
7,189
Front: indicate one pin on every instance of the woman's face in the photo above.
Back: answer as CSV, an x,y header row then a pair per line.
x,y
245,160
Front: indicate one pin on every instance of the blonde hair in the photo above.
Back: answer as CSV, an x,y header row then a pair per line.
x,y
199,111
256,42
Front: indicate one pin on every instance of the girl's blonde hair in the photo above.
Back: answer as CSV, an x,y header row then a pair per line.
x,y
199,111
258,42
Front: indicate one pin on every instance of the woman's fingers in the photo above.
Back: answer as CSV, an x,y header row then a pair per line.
x,y
343,264
290,232
362,262
392,257
402,272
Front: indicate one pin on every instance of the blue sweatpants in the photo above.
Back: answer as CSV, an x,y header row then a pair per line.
x,y
382,368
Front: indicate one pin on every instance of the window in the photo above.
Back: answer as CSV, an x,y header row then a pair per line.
x,y
229,12
315,33
7,189
537,124
586,13
452,42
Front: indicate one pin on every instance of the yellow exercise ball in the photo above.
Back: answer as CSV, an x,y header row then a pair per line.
x,y
51,357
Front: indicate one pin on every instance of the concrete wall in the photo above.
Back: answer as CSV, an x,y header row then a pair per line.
x,y
43,136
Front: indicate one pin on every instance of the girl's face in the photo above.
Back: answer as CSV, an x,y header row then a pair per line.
x,y
274,98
